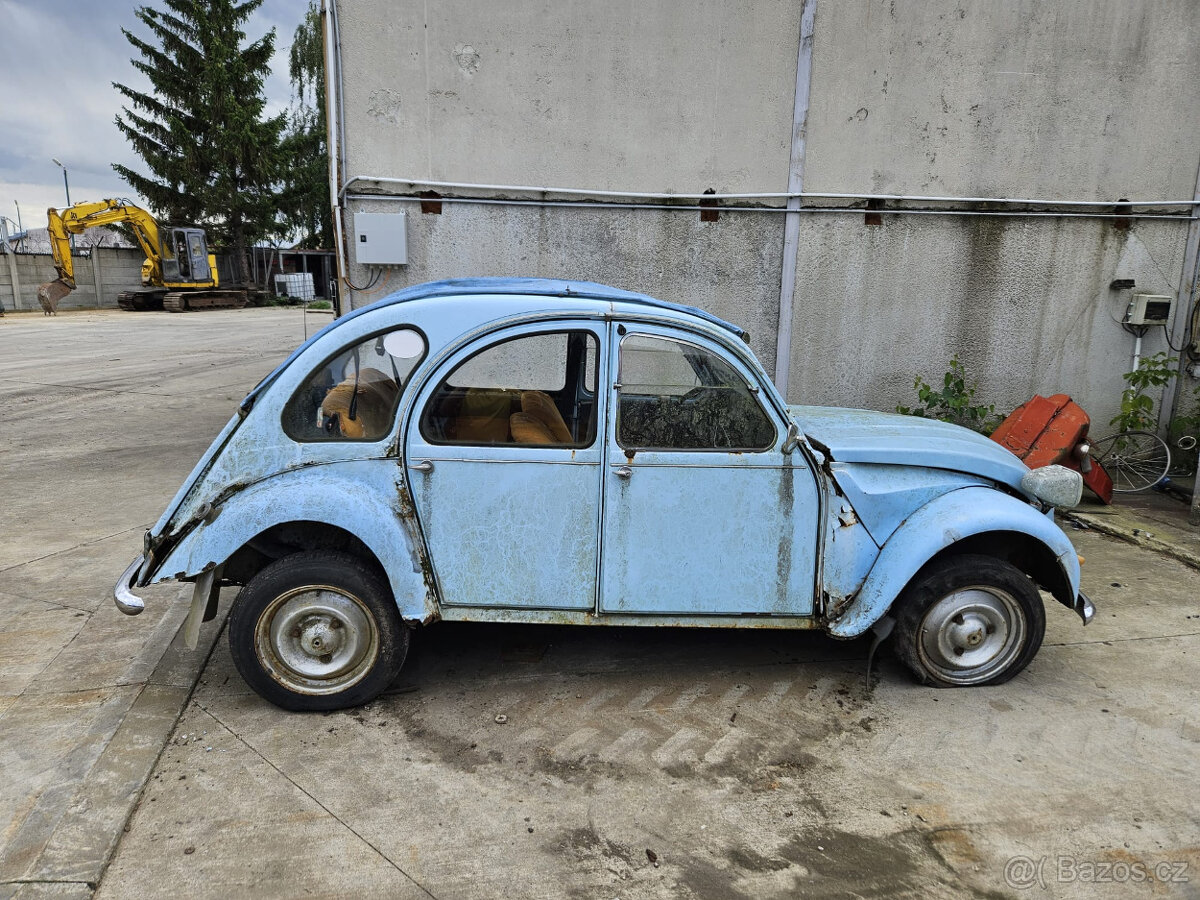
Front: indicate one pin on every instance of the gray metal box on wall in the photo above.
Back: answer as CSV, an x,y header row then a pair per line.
x,y
381,239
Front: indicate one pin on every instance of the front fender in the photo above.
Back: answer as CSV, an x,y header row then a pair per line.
x,y
360,497
942,523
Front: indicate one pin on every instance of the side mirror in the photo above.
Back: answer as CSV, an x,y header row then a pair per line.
x,y
792,440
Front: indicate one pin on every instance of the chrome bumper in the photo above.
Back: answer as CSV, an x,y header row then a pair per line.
x,y
1085,607
127,602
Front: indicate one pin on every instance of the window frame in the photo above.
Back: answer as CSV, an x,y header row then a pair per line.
x,y
577,387
752,387
393,413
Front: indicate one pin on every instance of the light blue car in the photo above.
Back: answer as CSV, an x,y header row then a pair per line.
x,y
522,450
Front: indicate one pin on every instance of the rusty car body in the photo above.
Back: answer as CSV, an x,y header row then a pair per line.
x,y
523,450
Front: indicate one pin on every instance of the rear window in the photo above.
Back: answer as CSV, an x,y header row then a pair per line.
x,y
354,396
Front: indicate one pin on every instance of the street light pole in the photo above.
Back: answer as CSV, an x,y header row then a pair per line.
x,y
67,187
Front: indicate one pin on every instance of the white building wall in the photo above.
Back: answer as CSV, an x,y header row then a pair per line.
x,y
1075,100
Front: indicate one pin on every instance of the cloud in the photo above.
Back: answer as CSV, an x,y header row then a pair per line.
x,y
60,59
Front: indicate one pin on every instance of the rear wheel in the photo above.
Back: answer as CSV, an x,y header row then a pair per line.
x,y
317,631
969,620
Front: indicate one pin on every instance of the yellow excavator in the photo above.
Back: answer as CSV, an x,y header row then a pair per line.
x,y
178,273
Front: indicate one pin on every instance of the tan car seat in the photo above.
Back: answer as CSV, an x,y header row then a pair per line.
x,y
483,417
373,412
528,430
538,406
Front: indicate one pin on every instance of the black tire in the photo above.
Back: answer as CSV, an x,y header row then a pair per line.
x,y
311,602
969,620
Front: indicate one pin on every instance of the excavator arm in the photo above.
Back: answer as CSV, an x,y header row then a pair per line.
x,y
82,216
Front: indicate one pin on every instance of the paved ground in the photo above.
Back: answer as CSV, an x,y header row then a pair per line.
x,y
743,764
104,415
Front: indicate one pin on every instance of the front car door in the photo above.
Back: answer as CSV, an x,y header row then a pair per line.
x,y
504,462
703,513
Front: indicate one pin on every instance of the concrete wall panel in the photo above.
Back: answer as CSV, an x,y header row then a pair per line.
x,y
650,96
1082,100
729,267
120,270
1026,305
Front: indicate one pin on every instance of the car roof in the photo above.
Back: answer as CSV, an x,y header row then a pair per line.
x,y
543,287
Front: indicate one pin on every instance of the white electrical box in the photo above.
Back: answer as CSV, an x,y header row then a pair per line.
x,y
381,239
1149,309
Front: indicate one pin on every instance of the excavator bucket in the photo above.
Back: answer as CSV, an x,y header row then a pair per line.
x,y
50,293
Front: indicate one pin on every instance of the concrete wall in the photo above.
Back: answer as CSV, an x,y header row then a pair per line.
x,y
1076,100
646,96
120,269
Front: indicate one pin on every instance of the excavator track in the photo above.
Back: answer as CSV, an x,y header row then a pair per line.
x,y
186,301
141,300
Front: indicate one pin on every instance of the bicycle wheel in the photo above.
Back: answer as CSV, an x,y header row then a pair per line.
x,y
1135,460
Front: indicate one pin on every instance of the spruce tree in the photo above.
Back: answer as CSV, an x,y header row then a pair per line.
x,y
213,157
305,193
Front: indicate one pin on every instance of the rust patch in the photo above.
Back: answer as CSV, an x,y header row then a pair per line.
x,y
873,218
1121,220
783,557
431,203
408,516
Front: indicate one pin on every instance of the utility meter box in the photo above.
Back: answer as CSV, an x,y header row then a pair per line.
x,y
1149,309
381,239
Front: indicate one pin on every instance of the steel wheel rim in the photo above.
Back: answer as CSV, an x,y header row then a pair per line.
x,y
1135,460
972,634
317,640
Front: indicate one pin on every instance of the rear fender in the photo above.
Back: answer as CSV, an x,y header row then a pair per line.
x,y
362,498
939,525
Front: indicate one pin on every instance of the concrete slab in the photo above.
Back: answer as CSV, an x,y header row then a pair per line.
x,y
110,412
32,632
1147,519
747,764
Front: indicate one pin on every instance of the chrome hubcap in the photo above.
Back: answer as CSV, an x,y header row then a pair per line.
x,y
317,640
972,634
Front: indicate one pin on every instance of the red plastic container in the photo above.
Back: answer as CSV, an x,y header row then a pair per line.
x,y
1050,430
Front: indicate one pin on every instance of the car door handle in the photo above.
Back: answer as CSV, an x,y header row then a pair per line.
x,y
425,466
623,472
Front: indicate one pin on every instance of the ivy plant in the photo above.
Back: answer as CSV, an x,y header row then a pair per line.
x,y
953,402
1137,408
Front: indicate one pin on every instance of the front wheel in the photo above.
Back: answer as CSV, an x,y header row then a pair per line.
x,y
317,631
969,620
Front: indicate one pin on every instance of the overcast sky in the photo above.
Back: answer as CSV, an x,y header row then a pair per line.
x,y
59,60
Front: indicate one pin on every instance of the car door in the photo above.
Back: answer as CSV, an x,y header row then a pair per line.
x,y
198,254
703,513
504,461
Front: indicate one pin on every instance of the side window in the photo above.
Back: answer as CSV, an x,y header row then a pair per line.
x,y
537,389
353,397
677,396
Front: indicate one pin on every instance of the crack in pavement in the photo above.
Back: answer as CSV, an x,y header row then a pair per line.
x,y
75,547
51,603
1148,637
301,789
92,389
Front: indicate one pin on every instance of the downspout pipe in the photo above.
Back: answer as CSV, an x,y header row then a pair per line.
x,y
336,136
791,227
